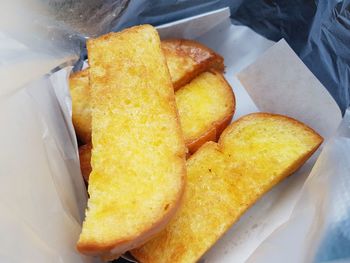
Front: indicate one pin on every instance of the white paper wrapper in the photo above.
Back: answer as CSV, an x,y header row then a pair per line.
x,y
294,92
42,192
42,195
318,229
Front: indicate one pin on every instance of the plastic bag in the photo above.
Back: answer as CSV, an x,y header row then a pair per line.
x,y
42,195
318,31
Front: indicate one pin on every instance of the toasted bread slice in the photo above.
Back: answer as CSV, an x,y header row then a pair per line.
x,y
138,157
187,58
81,107
224,179
206,106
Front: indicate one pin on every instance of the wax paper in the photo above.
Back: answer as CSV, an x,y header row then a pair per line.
x,y
42,193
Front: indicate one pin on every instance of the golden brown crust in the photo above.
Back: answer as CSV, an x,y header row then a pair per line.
x,y
110,257
317,137
189,58
81,115
233,178
85,160
214,131
113,250
203,59
266,114
80,74
115,253
109,247
221,126
211,134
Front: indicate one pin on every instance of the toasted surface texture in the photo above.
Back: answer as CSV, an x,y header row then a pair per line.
x,y
138,157
187,59
206,106
226,178
81,107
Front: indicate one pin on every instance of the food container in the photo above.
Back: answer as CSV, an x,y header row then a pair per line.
x,y
43,196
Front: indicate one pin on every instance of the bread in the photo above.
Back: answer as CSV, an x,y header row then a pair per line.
x,y
81,108
206,106
85,160
138,157
224,179
186,59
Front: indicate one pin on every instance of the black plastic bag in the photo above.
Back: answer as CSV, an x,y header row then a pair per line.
x,y
318,31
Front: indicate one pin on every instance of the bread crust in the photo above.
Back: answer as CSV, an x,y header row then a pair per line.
x,y
81,118
317,137
203,58
211,134
176,254
266,114
85,160
214,131
114,248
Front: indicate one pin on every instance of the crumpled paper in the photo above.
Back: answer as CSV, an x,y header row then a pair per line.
x,y
42,194
318,229
275,82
